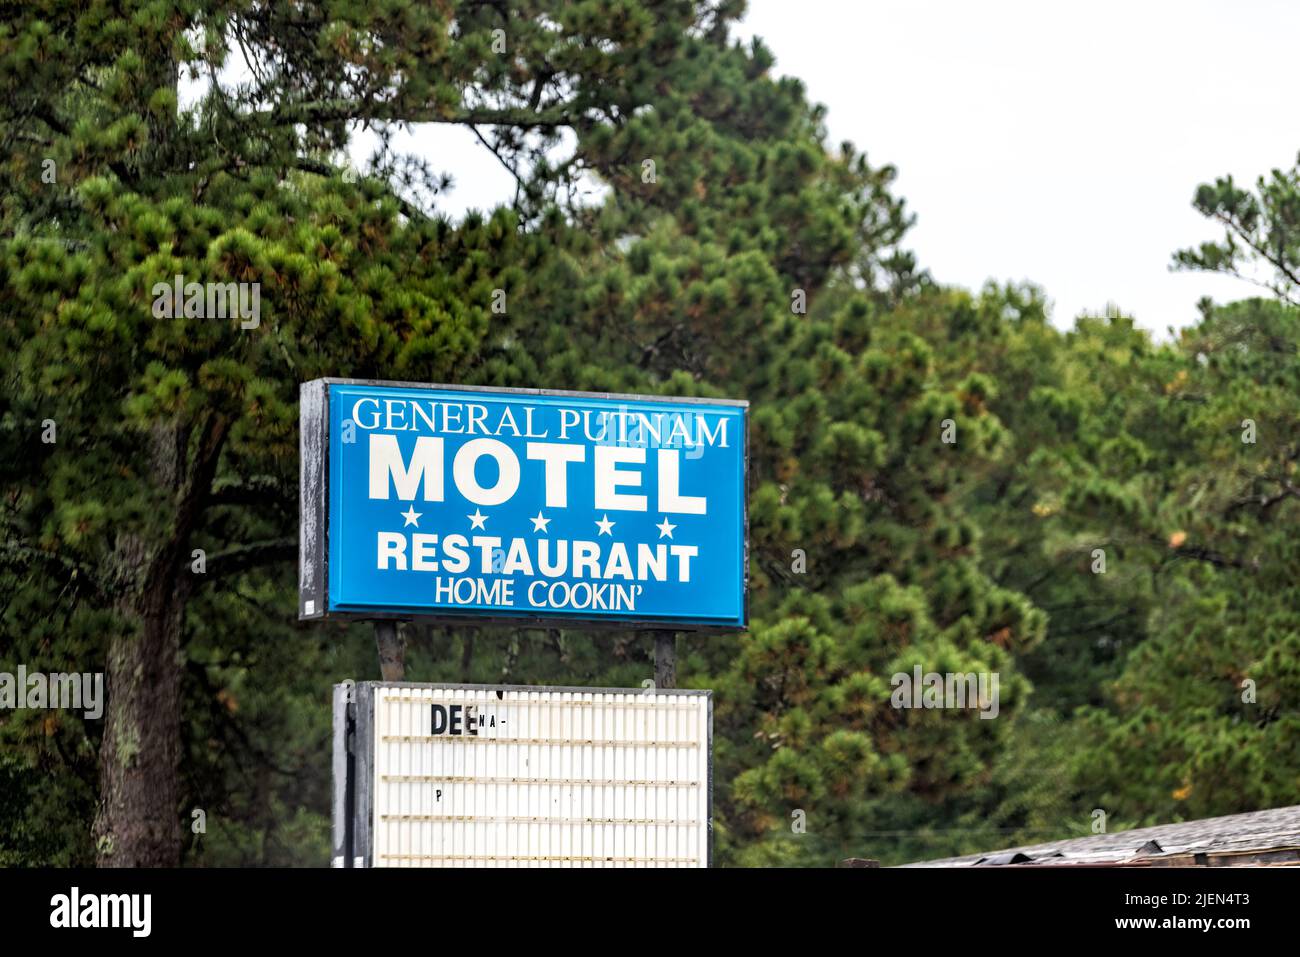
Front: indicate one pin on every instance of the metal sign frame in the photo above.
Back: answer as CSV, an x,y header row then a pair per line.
x,y
352,837
314,508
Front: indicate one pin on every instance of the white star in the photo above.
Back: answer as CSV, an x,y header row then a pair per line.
x,y
605,526
539,523
476,520
412,516
665,528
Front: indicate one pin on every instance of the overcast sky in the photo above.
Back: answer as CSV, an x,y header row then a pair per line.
x,y
1059,143
1056,142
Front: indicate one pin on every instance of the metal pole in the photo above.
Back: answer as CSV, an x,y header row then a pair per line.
x,y
665,659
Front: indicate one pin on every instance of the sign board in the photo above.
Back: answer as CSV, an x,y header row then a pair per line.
x,y
501,776
455,503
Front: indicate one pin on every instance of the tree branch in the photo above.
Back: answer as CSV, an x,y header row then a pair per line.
x,y
242,558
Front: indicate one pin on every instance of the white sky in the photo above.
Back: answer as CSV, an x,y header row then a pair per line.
x,y
1034,140
1059,143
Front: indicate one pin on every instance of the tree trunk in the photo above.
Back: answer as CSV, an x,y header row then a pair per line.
x,y
138,824
138,821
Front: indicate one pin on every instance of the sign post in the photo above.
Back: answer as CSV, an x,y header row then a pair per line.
x,y
522,507
665,659
392,657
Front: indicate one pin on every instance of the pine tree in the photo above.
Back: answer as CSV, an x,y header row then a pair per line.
x,y
176,431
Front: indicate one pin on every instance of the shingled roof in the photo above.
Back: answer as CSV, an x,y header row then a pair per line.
x,y
1258,837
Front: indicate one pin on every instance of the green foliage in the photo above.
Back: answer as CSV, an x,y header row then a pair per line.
x,y
1261,231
